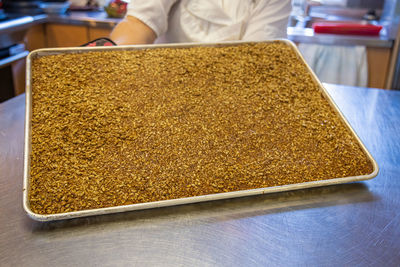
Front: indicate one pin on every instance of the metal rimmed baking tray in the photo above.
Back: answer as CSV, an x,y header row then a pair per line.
x,y
171,202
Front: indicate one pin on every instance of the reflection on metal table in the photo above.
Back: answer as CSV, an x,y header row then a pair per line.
x,y
349,224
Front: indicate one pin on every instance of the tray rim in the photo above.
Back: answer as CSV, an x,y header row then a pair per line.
x,y
179,201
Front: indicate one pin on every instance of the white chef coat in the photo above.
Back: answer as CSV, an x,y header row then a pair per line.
x,y
213,20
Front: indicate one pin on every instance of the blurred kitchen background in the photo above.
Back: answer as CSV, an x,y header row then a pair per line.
x,y
364,57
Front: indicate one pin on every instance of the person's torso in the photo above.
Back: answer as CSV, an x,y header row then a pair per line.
x,y
208,20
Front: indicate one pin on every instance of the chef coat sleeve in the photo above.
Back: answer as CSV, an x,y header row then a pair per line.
x,y
268,20
153,13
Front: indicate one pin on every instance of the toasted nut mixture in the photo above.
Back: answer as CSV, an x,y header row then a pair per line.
x,y
114,128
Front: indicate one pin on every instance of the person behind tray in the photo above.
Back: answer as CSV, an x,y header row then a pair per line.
x,y
177,21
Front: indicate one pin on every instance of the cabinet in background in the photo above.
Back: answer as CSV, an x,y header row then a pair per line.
x,y
378,66
35,38
63,35
95,33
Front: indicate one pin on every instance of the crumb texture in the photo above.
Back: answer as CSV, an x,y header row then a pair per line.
x,y
114,128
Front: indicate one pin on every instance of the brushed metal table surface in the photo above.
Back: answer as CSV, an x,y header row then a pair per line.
x,y
354,224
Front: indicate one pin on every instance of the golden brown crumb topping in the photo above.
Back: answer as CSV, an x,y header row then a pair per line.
x,y
114,128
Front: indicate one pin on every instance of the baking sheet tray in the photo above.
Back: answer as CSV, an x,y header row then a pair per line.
x,y
164,203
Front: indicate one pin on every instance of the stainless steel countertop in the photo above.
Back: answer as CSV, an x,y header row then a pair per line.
x,y
343,225
92,19
21,23
301,35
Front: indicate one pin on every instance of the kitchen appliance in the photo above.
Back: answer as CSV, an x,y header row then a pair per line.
x,y
3,15
22,7
13,28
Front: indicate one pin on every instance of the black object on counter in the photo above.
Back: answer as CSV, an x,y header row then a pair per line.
x,y
371,15
25,7
100,42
